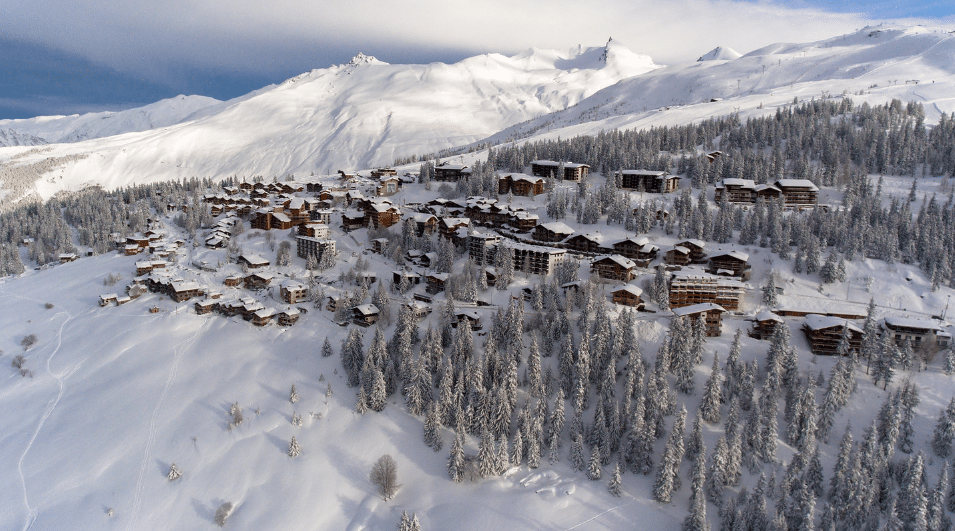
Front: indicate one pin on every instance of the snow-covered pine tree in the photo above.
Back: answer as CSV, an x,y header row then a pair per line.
x,y
293,448
716,477
326,348
944,431
668,475
696,519
174,472
293,395
616,484
594,471
456,462
712,392
695,442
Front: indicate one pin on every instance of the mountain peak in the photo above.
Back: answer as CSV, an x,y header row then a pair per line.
x,y
720,54
362,59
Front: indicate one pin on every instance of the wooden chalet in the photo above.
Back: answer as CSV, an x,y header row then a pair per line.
x,y
520,184
522,221
628,295
470,315
412,278
365,314
262,317
689,287
697,255
739,191
205,306
450,226
352,220
253,261
733,263
712,314
564,171
436,282
425,224
613,267
552,232
798,193
258,280
450,173
382,214
824,334
232,281
67,257
288,317
585,243
418,309
104,300
292,292
764,325
678,256
388,186
638,249
185,290
652,182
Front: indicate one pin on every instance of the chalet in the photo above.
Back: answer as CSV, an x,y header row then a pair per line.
x,y
520,184
536,260
314,230
628,295
215,242
764,325
425,223
736,191
253,261
366,277
232,281
552,232
733,263
436,282
678,255
470,315
383,172
292,292
825,333
491,274
353,219
798,193
388,186
139,240
653,182
638,249
297,209
922,334
450,226
613,267
261,219
378,245
262,317
123,299
104,300
67,257
689,287
711,313
258,280
410,277
306,246
205,306
185,290
565,171
382,214
365,315
586,243
418,309
446,172
697,256
523,221
131,250
288,317
428,260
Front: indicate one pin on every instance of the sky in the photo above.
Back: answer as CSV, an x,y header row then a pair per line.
x,y
75,56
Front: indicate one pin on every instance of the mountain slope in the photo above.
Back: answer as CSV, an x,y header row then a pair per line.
x,y
359,114
873,64
78,127
11,137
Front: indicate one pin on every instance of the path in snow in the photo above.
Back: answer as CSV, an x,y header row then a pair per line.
x,y
610,510
179,350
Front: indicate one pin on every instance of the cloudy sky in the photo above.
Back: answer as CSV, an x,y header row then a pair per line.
x,y
67,56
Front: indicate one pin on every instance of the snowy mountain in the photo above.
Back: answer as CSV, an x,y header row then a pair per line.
x,y
79,127
872,65
720,54
10,137
359,114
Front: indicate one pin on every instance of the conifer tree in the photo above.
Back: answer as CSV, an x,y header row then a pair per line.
x,y
577,453
361,405
456,459
694,444
593,469
486,457
432,429
945,431
616,487
668,475
710,407
326,348
378,397
293,448
716,477
696,520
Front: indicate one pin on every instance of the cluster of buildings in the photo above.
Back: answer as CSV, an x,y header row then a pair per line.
x,y
794,193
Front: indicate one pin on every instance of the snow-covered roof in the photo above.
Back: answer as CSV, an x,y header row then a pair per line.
x,y
820,322
739,255
797,183
353,214
629,288
254,259
451,222
367,309
447,166
545,163
698,243
644,173
535,248
743,183
265,313
682,250
281,217
575,165
636,240
620,260
697,308
440,276
291,312
557,227
909,322
420,217
767,315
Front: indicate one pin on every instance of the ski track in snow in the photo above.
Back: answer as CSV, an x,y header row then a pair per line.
x,y
140,483
33,513
610,510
